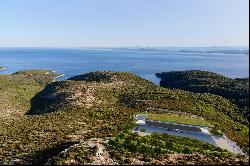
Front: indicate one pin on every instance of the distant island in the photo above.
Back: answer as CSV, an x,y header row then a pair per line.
x,y
218,51
229,51
2,68
90,119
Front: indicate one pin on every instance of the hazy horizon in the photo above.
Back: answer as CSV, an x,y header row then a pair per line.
x,y
110,47
130,23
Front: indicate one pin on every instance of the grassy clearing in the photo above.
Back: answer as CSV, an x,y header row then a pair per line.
x,y
182,119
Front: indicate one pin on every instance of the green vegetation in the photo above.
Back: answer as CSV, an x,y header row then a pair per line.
x,y
28,137
127,147
45,117
17,89
216,110
98,76
156,144
215,132
36,72
76,155
130,148
178,118
236,90
143,130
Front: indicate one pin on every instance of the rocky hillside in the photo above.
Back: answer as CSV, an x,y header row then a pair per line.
x,y
71,121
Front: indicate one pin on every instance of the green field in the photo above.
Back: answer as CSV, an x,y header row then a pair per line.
x,y
183,119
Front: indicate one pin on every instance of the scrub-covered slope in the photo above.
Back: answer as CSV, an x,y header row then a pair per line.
x,y
97,106
17,89
236,90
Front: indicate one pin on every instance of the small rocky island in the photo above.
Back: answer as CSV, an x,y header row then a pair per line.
x,y
2,68
89,119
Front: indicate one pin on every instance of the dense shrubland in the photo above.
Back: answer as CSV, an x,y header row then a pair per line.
x,y
236,90
96,105
130,148
156,147
213,109
17,89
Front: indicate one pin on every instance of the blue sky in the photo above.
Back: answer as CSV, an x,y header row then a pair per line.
x,y
117,23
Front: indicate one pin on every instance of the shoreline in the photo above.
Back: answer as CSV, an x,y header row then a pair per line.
x,y
61,75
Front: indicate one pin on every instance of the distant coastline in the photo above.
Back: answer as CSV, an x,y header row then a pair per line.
x,y
138,60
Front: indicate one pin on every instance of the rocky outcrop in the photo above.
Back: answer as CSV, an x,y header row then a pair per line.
x,y
95,147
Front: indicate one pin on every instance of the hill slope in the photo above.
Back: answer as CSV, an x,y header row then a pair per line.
x,y
100,105
18,88
235,90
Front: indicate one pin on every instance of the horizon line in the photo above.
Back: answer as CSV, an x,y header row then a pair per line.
x,y
109,47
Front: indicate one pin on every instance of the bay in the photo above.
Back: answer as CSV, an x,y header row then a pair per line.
x,y
144,62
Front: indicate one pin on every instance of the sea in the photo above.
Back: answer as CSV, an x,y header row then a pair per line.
x,y
145,62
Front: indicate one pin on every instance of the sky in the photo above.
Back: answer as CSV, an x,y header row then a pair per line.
x,y
124,23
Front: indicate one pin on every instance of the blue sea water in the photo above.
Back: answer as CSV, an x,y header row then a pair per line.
x,y
144,62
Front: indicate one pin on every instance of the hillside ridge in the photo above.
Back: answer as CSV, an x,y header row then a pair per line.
x,y
99,105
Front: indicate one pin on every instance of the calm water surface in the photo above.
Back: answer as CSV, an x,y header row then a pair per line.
x,y
143,62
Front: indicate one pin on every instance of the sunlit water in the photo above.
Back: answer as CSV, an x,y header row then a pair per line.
x,y
143,62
